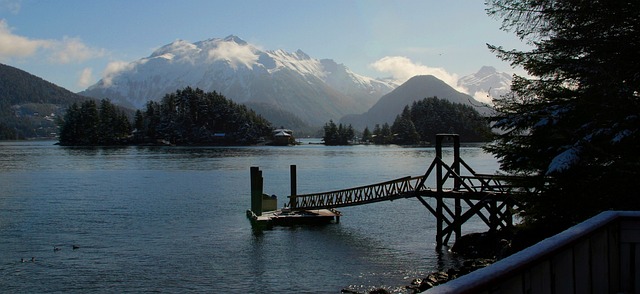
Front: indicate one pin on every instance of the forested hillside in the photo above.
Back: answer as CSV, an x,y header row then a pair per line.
x,y
29,105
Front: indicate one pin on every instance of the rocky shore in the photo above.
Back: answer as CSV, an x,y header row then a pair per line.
x,y
478,250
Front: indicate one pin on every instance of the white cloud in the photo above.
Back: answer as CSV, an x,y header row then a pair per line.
x,y
17,46
67,50
235,53
113,69
72,50
402,68
86,78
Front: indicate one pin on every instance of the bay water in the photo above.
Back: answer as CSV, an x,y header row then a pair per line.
x,y
172,220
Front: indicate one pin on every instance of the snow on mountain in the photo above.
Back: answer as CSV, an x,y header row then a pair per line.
x,y
486,84
314,90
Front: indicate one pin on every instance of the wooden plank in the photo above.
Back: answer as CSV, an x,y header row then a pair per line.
x,y
600,262
562,270
582,267
613,234
625,267
512,286
630,231
635,272
540,278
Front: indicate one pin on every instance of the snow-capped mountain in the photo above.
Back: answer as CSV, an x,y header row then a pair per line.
x,y
486,84
314,90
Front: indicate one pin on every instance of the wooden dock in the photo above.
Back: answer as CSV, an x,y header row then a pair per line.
x,y
492,198
287,217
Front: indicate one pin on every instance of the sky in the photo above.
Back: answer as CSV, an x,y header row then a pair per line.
x,y
73,43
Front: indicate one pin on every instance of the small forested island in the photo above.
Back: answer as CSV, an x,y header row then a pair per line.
x,y
417,124
186,117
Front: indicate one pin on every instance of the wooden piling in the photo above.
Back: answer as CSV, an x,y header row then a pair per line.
x,y
256,190
294,189
440,181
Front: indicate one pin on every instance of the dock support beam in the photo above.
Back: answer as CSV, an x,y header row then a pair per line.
x,y
256,190
294,190
440,181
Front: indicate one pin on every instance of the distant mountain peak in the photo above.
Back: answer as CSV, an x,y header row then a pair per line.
x,y
175,46
302,55
487,70
235,39
486,84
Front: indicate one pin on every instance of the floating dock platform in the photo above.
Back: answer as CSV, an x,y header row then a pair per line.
x,y
263,210
287,217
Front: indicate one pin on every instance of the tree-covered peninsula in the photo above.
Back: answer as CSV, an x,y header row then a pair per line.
x,y
186,117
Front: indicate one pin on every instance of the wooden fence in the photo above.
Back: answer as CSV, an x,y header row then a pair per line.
x,y
600,255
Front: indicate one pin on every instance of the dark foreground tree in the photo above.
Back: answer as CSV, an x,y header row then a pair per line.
x,y
577,118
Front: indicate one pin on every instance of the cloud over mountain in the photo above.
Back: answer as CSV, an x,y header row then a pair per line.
x,y
236,54
402,69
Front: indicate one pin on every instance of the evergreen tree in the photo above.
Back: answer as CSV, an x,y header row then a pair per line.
x,y
88,125
377,139
576,117
107,123
151,121
385,137
382,135
69,126
366,135
337,134
404,130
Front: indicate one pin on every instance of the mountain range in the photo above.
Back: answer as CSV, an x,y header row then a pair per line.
x,y
312,89
285,87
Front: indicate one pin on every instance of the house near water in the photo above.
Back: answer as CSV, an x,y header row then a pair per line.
x,y
283,137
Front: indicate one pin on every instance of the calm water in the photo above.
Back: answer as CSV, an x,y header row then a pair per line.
x,y
172,219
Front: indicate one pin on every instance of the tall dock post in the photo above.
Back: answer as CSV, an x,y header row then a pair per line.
x,y
439,196
256,190
294,190
440,184
456,183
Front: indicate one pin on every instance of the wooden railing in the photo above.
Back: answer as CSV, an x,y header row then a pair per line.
x,y
389,190
599,255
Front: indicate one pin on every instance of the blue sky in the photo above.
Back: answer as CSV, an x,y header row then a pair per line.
x,y
72,42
